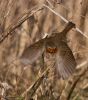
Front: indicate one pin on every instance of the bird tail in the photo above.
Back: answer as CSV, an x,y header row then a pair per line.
x,y
68,27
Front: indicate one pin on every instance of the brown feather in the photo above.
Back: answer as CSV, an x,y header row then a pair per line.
x,y
33,52
65,61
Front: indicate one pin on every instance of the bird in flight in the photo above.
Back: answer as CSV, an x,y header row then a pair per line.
x,y
55,44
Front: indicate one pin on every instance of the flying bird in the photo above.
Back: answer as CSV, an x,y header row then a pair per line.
x,y
56,44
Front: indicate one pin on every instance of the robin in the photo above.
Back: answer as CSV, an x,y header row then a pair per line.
x,y
55,44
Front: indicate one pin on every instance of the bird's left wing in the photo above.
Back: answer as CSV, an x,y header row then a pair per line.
x,y
65,61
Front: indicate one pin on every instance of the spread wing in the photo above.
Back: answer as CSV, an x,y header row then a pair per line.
x,y
33,52
65,61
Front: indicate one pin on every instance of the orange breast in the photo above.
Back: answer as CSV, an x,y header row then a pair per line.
x,y
51,50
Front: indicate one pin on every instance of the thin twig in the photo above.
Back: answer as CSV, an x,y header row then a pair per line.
x,y
65,20
28,15
23,19
75,82
50,3
32,89
70,86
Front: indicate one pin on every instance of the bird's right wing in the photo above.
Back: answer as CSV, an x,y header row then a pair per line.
x,y
33,52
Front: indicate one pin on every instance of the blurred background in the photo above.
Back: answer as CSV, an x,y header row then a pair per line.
x,y
16,78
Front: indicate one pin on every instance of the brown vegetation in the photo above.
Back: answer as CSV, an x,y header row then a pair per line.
x,y
22,23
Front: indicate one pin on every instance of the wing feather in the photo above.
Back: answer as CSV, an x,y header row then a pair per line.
x,y
32,53
65,61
